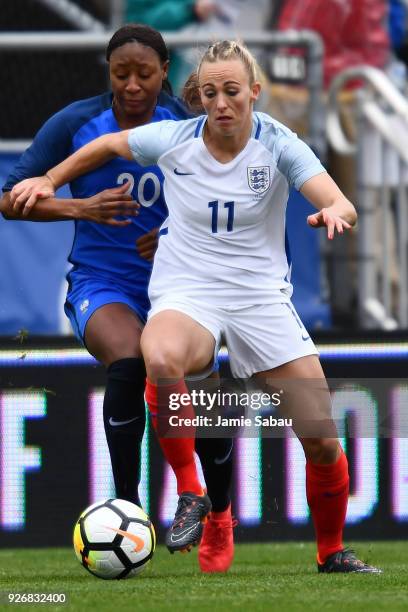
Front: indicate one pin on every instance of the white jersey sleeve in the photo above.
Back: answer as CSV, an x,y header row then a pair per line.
x,y
149,142
294,158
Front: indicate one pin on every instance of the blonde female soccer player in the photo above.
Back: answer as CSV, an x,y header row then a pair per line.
x,y
221,268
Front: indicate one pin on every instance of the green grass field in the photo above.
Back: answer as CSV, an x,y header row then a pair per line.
x,y
263,577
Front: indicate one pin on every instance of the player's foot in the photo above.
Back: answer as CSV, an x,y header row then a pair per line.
x,y
346,561
216,550
187,528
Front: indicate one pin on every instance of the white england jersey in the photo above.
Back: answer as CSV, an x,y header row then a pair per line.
x,y
224,240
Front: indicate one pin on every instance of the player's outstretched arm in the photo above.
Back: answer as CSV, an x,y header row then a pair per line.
x,y
102,208
336,212
89,157
37,188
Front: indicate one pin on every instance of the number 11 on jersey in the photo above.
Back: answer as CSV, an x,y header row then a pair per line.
x,y
214,215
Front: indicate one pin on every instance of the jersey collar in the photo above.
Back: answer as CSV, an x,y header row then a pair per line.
x,y
256,126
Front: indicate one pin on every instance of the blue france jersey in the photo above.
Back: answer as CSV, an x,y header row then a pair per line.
x,y
101,250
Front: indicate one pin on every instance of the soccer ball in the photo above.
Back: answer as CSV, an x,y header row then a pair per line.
x,y
114,539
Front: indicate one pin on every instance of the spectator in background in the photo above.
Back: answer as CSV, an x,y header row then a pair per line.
x,y
353,32
225,17
171,15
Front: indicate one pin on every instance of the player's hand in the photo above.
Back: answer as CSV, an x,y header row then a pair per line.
x,y
108,204
146,245
25,194
325,218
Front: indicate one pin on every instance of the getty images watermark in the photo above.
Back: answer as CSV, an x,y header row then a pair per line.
x,y
267,407
201,398
220,412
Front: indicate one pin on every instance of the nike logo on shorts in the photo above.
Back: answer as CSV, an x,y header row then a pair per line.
x,y
117,423
182,173
182,534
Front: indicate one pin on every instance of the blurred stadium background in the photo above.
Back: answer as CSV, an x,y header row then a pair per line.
x,y
352,294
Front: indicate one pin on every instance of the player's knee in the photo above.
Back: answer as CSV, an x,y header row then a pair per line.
x,y
162,363
109,348
323,450
126,350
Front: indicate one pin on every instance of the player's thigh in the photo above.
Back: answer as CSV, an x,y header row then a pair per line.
x,y
270,342
306,367
263,337
113,332
304,396
174,340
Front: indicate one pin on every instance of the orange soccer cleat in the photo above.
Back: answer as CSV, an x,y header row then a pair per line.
x,y
216,551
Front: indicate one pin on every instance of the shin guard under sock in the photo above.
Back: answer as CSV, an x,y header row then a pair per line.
x,y
327,488
124,418
179,451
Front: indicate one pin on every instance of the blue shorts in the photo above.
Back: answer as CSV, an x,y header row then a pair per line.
x,y
85,295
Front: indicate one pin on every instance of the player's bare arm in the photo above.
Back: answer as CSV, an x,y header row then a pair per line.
x,y
101,208
89,157
336,212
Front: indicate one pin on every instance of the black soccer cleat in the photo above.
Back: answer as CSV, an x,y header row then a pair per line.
x,y
187,528
344,561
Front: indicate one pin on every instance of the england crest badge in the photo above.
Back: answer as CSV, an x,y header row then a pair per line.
x,y
259,178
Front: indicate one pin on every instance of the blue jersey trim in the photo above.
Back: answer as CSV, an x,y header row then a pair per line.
x,y
258,129
198,127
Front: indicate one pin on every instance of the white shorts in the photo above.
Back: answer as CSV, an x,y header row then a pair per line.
x,y
258,337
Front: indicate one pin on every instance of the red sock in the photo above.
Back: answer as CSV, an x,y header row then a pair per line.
x,y
327,489
179,452
223,515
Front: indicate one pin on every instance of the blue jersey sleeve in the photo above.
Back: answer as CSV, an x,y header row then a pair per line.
x,y
53,142
51,145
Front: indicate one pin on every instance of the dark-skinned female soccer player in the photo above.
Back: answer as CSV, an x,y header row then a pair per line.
x,y
107,300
